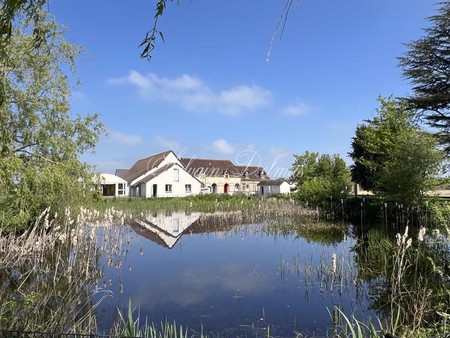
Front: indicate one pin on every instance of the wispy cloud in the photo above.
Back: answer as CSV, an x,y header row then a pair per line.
x,y
118,137
222,146
192,94
168,144
296,109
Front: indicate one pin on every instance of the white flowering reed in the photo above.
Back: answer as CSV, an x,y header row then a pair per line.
x,y
422,232
333,263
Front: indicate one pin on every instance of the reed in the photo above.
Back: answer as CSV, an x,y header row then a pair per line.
x,y
408,278
250,206
47,275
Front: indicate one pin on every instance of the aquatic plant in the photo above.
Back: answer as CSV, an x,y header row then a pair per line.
x,y
350,327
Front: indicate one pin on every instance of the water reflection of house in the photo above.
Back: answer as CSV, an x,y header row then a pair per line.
x,y
165,229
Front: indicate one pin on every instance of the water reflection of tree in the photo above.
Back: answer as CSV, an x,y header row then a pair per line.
x,y
313,231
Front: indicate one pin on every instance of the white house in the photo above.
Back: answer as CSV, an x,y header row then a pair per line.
x,y
161,175
112,185
271,187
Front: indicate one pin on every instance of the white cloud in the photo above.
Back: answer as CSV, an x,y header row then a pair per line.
x,y
192,94
296,110
169,144
222,147
238,99
118,137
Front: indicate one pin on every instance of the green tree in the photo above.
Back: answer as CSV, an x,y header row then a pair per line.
x,y
394,156
40,140
320,178
427,65
11,10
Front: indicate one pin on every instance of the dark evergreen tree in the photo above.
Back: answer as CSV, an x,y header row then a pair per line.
x,y
427,65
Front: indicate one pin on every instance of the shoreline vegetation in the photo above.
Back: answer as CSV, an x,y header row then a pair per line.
x,y
61,253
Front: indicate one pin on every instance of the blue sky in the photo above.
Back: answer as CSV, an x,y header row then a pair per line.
x,y
209,90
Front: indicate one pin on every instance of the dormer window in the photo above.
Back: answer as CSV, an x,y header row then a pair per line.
x,y
226,174
246,174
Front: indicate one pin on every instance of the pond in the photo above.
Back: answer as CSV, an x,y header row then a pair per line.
x,y
226,277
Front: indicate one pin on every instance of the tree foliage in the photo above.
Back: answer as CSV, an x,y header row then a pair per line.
x,y
394,156
320,177
427,65
40,140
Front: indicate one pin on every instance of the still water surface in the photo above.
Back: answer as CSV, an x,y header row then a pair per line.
x,y
227,278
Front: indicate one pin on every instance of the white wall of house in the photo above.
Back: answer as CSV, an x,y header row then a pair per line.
x,y
143,189
170,158
174,182
283,188
113,185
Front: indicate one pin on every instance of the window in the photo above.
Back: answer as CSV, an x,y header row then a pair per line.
x,y
176,225
168,188
188,188
121,189
176,175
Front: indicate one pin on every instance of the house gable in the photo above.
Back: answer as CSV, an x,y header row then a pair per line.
x,y
149,165
169,180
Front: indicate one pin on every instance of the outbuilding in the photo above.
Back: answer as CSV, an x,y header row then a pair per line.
x,y
112,185
272,187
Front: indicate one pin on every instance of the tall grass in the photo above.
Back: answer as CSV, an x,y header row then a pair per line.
x,y
409,280
47,276
250,206
128,326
